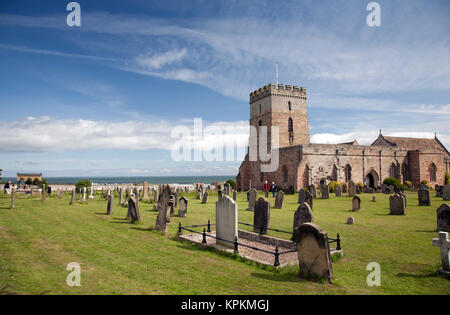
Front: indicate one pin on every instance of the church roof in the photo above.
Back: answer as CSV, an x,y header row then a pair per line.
x,y
411,144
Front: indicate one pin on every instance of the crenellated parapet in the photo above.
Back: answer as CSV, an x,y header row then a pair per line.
x,y
278,90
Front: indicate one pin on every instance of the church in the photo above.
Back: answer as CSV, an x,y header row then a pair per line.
x,y
302,163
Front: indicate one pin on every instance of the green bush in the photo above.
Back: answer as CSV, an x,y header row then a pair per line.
x,y
231,182
83,183
42,183
392,181
447,178
408,183
333,186
424,182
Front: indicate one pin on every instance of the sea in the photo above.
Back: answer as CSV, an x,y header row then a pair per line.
x,y
174,180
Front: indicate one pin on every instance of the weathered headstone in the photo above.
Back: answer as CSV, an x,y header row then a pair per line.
x,y
145,191
443,218
252,194
313,252
338,191
324,191
13,198
302,215
344,188
309,199
438,190
121,196
164,207
312,191
443,243
261,216
182,209
234,195
279,199
397,205
72,200
84,194
109,206
199,194
205,197
350,220
226,221
133,209
402,194
301,196
351,189
424,197
220,194
446,192
356,203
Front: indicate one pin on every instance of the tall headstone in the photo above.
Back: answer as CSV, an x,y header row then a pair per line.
x,y
164,208
309,199
13,198
109,206
133,209
84,194
302,215
438,190
338,191
121,196
205,197
261,216
312,191
182,209
44,193
356,203
279,199
344,188
220,194
226,221
72,200
446,192
443,218
397,205
424,197
199,194
145,191
313,252
444,244
252,194
234,195
301,196
351,189
324,191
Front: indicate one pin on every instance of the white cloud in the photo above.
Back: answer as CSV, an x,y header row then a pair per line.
x,y
160,60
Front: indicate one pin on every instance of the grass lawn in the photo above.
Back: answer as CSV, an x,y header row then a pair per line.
x,y
38,239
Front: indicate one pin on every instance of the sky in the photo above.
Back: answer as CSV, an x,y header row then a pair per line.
x,y
104,98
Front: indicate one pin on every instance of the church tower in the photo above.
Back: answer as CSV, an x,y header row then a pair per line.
x,y
283,106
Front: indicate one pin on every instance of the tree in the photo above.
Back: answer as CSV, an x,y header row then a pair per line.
x,y
83,183
231,182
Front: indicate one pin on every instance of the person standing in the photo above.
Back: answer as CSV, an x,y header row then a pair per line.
x,y
273,188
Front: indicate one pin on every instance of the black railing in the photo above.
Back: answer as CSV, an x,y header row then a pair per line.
x,y
236,244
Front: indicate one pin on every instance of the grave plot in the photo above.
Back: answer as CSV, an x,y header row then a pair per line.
x,y
257,246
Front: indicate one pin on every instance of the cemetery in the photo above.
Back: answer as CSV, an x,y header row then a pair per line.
x,y
131,241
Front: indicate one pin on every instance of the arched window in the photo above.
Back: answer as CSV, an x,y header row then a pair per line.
x,y
291,130
306,177
405,173
348,173
432,170
289,104
285,174
393,171
260,123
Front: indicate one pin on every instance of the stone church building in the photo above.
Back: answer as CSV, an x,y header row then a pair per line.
x,y
302,163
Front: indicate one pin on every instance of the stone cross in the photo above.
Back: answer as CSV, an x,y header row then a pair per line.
x,y
444,244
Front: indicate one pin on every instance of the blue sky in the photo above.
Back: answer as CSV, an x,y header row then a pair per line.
x,y
102,99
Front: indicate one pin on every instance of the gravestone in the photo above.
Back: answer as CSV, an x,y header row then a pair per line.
x,y
205,197
396,205
164,207
350,220
133,209
358,189
199,194
109,206
356,203
176,198
302,215
261,216
234,195
279,199
220,194
155,195
312,191
13,198
44,193
301,196
313,252
72,200
443,218
145,192
374,198
309,199
324,191
344,188
121,196
423,186
338,191
172,204
226,221
404,198
443,243
351,189
446,192
424,197
182,209
252,195
84,194
438,191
